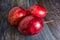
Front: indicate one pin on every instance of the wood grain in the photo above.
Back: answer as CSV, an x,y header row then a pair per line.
x,y
53,5
50,30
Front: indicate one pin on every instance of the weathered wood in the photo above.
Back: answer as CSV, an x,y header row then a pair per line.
x,y
10,33
54,6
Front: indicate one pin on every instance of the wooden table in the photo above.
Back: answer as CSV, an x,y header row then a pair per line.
x,y
51,31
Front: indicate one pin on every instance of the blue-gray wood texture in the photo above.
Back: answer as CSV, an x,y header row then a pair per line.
x,y
51,31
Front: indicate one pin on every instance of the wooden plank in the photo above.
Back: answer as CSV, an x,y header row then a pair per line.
x,y
10,33
53,5
19,36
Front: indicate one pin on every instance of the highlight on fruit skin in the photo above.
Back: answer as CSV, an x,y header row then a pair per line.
x,y
30,25
16,14
37,10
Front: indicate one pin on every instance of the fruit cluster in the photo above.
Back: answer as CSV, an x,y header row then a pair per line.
x,y
29,21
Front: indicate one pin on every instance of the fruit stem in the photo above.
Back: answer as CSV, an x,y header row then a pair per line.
x,y
49,12
45,22
50,21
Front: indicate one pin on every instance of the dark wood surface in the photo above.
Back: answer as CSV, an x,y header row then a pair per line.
x,y
53,6
51,31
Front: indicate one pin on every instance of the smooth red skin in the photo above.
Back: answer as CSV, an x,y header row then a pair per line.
x,y
14,15
27,25
34,10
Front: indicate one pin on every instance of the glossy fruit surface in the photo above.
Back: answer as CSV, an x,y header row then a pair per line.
x,y
30,25
15,14
37,10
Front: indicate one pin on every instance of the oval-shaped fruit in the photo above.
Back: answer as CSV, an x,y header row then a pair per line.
x,y
30,25
15,14
37,10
